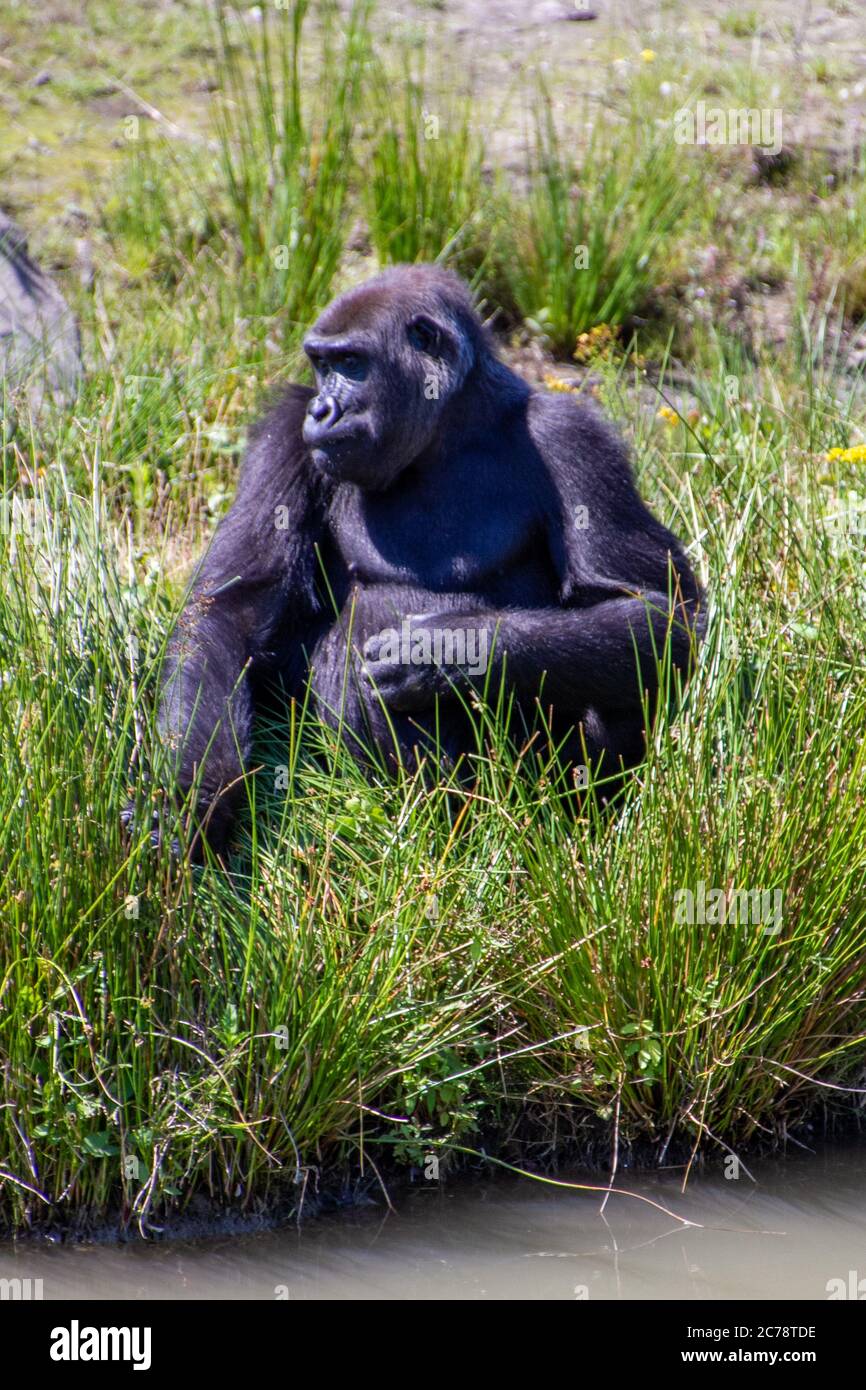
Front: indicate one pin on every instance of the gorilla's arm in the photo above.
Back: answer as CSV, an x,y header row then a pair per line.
x,y
254,595
626,588
604,656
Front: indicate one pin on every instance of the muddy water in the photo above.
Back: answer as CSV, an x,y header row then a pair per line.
x,y
799,1227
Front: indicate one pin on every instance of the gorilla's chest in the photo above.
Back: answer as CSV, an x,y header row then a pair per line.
x,y
425,535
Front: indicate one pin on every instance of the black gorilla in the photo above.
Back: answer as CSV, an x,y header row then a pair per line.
x,y
427,514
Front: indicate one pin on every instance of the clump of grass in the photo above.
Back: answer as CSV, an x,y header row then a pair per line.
x,y
841,230
285,156
228,247
386,967
585,239
424,195
741,24
266,190
158,209
712,1029
165,1034
392,968
249,225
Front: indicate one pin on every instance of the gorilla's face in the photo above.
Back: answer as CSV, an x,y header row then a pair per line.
x,y
385,366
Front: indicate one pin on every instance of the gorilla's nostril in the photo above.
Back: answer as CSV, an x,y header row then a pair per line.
x,y
325,410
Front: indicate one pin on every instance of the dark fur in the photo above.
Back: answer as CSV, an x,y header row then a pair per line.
x,y
461,507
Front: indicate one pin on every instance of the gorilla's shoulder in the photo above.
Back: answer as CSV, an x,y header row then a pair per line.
x,y
576,440
282,415
276,456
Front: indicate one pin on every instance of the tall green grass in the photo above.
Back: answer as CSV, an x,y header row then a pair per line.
x,y
424,192
166,1033
726,1030
285,147
390,969
227,246
580,246
244,228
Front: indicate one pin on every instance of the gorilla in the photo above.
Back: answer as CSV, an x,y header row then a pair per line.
x,y
420,527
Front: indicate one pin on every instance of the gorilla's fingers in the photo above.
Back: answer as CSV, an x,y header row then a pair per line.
x,y
372,648
402,687
131,825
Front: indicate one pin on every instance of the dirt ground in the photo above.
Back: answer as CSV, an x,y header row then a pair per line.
x,y
815,53
71,71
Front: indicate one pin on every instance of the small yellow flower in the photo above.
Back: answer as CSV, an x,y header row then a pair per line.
x,y
669,416
599,341
556,383
647,55
855,454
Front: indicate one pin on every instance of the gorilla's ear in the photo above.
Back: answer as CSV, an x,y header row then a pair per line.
x,y
427,336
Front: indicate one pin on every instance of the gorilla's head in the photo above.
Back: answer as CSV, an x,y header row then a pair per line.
x,y
390,358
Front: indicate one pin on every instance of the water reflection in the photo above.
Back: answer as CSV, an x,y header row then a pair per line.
x,y
801,1226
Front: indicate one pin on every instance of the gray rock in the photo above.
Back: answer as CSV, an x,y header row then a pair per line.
x,y
40,350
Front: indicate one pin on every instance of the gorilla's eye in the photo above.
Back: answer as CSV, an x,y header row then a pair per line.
x,y
346,363
353,365
424,334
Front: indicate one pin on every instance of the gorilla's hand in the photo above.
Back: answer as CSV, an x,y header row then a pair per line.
x,y
133,825
409,666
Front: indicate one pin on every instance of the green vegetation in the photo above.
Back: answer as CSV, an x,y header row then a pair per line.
x,y
584,239
287,174
742,24
425,197
392,970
